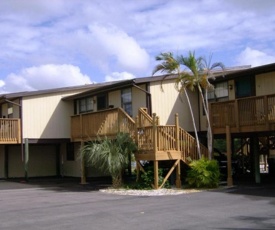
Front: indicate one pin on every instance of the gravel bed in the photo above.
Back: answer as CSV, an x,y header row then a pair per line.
x,y
153,192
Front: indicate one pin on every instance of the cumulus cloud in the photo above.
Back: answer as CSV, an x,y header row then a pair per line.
x,y
126,52
44,77
115,76
254,57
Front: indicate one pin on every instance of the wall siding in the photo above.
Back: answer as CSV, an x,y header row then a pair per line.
x,y
114,98
47,116
265,84
168,102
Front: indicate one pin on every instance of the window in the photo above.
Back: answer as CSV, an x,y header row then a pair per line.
x,y
219,93
102,102
70,152
86,105
245,86
126,100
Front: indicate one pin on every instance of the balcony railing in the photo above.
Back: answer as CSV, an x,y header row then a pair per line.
x,y
253,114
10,131
90,126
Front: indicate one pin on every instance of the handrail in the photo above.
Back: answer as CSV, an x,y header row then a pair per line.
x,y
144,119
166,141
188,146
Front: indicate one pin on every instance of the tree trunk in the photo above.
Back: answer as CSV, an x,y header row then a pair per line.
x,y
209,131
194,124
117,181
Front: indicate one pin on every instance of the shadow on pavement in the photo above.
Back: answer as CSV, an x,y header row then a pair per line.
x,y
57,184
247,186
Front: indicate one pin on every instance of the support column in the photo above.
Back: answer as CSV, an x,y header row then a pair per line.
x,y
178,180
57,156
83,169
6,164
26,160
156,174
138,171
229,154
256,158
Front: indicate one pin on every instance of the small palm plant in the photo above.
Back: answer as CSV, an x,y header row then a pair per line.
x,y
110,155
203,173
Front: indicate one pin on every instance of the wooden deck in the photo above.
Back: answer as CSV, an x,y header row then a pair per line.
x,y
10,131
155,142
253,114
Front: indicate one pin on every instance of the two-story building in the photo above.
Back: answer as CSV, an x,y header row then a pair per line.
x,y
51,125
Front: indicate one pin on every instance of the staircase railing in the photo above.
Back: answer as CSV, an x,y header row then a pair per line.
x,y
143,118
188,146
169,138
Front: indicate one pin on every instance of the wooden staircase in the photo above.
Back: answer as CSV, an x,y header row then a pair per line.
x,y
164,142
155,142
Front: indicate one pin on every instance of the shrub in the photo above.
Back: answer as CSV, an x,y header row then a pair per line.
x,y
147,179
203,173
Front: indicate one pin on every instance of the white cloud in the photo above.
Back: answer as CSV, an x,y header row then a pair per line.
x,y
120,47
115,76
44,77
254,57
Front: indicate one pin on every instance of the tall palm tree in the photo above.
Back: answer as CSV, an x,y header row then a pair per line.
x,y
110,155
201,71
169,64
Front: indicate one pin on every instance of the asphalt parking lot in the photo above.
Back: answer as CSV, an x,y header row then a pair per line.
x,y
68,205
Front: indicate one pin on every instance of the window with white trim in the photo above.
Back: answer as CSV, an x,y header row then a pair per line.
x,y
86,104
219,93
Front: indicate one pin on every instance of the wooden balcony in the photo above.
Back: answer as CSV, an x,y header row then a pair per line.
x,y
90,126
10,131
253,114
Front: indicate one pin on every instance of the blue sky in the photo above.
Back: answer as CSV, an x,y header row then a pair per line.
x,y
50,44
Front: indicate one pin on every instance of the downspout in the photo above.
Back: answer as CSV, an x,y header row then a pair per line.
x,y
148,98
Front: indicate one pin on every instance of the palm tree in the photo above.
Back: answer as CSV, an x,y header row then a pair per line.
x,y
110,155
201,71
171,65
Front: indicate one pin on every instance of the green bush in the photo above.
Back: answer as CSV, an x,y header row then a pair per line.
x,y
147,180
203,173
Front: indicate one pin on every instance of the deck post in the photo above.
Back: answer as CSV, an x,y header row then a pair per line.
x,y
26,159
178,180
229,153
155,135
254,150
266,113
138,171
155,146
83,171
156,174
177,132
